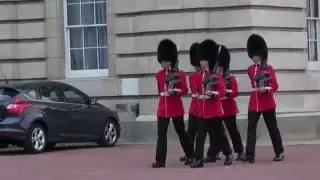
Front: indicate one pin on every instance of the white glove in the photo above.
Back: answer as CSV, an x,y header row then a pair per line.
x,y
211,93
204,97
165,93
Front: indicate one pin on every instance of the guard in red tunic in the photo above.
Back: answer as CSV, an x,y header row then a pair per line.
x,y
172,86
193,108
229,105
264,85
210,88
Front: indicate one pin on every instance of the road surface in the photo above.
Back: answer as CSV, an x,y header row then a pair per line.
x,y
132,162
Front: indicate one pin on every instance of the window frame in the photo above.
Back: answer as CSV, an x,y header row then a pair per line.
x,y
313,65
87,73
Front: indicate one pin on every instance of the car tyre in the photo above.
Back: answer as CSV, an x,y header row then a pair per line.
x,y
109,134
36,139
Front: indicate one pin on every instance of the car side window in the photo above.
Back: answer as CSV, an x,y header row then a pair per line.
x,y
73,95
32,94
50,93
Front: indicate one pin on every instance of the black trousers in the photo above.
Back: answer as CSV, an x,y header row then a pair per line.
x,y
231,125
213,127
271,123
192,129
178,123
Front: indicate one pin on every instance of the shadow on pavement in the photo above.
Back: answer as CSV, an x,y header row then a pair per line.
x,y
17,151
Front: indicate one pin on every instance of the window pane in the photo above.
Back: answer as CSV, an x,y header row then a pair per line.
x,y
87,15
32,94
313,53
73,95
73,14
102,36
91,58
90,37
73,1
76,59
103,58
75,38
50,93
87,0
101,13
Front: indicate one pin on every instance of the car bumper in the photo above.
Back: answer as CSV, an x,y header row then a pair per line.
x,y
10,131
11,135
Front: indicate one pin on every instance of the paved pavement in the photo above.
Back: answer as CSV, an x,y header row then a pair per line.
x,y
129,162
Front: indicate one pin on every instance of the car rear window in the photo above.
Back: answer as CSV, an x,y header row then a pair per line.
x,y
7,93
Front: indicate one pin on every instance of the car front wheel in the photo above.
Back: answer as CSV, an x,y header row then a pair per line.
x,y
36,139
110,134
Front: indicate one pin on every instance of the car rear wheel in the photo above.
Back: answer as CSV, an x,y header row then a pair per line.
x,y
109,135
36,139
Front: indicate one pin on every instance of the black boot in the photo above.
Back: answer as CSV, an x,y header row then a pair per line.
x,y
188,161
210,159
158,165
182,159
228,160
250,159
240,157
197,164
279,157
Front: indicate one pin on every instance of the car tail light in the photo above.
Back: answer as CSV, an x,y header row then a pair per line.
x,y
17,106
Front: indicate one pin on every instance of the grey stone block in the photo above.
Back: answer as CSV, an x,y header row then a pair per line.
x,y
299,128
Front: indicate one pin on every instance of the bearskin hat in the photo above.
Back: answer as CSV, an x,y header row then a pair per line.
x,y
256,45
208,51
224,57
194,54
167,51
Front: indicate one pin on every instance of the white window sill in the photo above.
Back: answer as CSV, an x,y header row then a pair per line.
x,y
94,73
314,66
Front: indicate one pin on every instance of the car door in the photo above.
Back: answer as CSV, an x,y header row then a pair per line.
x,y
83,115
58,117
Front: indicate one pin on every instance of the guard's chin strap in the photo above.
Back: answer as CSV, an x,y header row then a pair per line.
x,y
219,50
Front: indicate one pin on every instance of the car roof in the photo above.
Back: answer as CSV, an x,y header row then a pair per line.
x,y
32,84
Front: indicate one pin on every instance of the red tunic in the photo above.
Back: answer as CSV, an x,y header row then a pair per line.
x,y
262,101
229,104
170,106
193,108
210,108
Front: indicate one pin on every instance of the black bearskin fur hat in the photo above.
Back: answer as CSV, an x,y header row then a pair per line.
x,y
167,51
208,51
256,45
194,54
224,57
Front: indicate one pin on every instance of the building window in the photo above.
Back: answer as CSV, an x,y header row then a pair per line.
x,y
86,50
313,30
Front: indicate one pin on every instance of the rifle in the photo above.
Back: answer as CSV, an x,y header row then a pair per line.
x,y
173,77
227,81
263,77
211,80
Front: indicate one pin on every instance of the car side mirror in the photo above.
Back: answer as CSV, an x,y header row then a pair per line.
x,y
92,101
